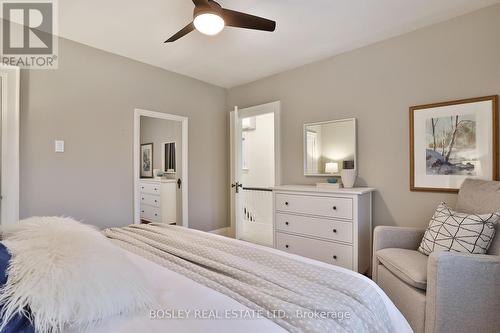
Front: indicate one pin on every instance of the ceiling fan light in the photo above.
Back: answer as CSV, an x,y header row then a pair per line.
x,y
209,23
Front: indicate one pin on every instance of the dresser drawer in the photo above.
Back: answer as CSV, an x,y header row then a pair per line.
x,y
317,227
151,214
332,253
149,188
315,205
149,199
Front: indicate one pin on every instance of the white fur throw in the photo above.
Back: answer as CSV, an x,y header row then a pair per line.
x,y
68,274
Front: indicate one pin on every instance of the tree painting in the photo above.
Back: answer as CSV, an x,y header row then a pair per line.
x,y
451,145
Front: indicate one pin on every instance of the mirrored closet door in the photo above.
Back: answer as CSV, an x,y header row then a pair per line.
x,y
161,176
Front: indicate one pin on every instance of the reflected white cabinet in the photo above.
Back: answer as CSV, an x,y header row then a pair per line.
x,y
158,200
333,226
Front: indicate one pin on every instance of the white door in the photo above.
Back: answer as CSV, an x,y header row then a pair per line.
x,y
255,169
1,157
9,158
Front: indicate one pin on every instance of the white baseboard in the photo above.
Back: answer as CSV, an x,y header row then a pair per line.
x,y
222,231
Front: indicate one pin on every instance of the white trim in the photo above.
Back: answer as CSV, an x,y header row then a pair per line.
x,y
277,143
137,143
10,77
234,174
235,118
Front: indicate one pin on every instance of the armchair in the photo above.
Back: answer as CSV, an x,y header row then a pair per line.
x,y
446,291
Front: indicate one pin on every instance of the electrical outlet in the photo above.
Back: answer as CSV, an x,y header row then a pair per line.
x,y
59,146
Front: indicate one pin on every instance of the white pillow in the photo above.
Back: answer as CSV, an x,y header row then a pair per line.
x,y
458,232
68,274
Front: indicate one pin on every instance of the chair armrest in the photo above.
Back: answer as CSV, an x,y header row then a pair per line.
x,y
463,293
394,237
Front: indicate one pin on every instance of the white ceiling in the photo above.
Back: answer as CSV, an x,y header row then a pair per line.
x,y
307,31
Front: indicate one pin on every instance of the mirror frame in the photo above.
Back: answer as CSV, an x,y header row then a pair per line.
x,y
304,143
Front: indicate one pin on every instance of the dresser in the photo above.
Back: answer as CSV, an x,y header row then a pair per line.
x,y
329,225
158,200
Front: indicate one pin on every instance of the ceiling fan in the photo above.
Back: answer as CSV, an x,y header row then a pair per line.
x,y
210,18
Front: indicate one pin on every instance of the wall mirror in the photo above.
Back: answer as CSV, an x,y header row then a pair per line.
x,y
168,158
328,146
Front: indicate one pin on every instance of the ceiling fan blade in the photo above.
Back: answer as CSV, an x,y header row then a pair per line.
x,y
247,21
187,29
201,3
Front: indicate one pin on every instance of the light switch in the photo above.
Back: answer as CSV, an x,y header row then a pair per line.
x,y
59,145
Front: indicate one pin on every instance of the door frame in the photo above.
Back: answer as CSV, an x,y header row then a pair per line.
x,y
10,77
251,112
184,155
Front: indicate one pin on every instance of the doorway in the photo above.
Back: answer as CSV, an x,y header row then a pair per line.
x,y
9,155
255,170
160,168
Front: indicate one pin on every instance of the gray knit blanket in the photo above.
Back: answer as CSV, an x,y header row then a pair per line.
x,y
298,296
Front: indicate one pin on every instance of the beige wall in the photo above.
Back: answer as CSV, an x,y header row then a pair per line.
x,y
377,84
89,102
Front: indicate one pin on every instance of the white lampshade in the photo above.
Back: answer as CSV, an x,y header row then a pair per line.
x,y
332,167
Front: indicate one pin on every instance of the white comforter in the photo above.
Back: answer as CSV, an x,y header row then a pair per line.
x,y
195,306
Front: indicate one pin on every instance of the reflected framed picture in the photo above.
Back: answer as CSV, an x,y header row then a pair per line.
x,y
452,141
147,160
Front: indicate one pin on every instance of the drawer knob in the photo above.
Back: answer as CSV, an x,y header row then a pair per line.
x,y
287,223
156,200
334,207
156,189
334,231
335,257
287,246
142,198
156,214
286,203
142,211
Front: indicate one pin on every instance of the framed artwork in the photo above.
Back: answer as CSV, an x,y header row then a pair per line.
x,y
452,141
147,160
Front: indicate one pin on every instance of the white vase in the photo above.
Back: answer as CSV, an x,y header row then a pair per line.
x,y
348,177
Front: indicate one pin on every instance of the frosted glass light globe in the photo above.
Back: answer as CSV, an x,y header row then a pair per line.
x,y
209,24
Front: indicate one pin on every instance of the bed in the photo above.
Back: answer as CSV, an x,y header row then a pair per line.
x,y
197,308
208,283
